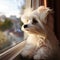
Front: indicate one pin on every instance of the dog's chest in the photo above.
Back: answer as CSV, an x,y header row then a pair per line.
x,y
35,40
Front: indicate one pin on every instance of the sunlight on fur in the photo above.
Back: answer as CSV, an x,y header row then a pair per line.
x,y
27,12
41,42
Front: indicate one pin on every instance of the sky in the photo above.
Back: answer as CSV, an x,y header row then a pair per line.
x,y
10,7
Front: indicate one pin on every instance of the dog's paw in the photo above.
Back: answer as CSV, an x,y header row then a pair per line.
x,y
28,50
26,57
25,53
36,57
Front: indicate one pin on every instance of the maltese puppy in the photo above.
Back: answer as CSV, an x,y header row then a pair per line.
x,y
41,42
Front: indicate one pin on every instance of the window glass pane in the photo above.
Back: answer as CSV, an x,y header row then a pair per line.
x,y
10,23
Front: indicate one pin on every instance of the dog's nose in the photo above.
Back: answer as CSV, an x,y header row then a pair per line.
x,y
25,26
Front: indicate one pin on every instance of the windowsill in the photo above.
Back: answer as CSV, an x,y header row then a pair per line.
x,y
12,52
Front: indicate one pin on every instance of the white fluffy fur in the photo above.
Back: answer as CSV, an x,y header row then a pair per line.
x,y
41,42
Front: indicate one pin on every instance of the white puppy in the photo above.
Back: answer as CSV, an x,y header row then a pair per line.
x,y
41,42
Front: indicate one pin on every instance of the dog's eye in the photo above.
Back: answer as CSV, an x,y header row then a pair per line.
x,y
34,21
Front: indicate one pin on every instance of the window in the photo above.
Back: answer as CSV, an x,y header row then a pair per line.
x,y
35,3
10,25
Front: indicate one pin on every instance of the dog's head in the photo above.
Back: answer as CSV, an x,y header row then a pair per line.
x,y
34,20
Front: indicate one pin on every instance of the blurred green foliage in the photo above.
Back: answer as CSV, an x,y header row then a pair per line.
x,y
7,24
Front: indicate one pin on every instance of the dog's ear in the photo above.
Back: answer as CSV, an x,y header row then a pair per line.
x,y
43,13
26,14
50,21
24,19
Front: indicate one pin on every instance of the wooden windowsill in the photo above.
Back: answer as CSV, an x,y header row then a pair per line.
x,y
11,53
